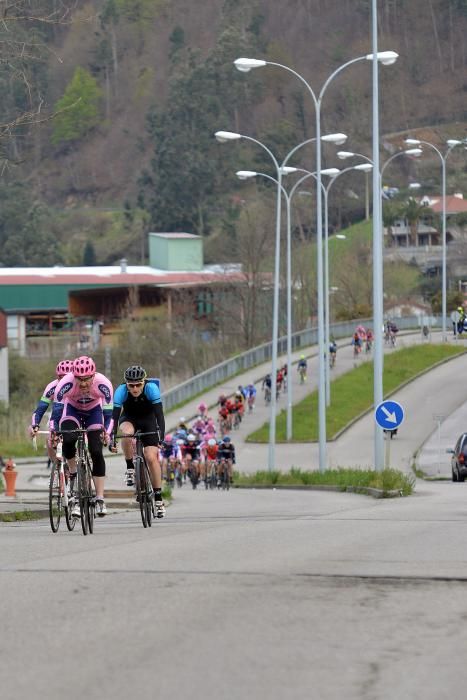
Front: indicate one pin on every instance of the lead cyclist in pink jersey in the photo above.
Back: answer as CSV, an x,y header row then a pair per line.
x,y
45,402
84,398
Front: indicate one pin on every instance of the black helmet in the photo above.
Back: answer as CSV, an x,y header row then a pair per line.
x,y
135,373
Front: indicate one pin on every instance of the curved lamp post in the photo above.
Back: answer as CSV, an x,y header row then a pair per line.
x,y
452,143
245,65
378,352
288,195
281,169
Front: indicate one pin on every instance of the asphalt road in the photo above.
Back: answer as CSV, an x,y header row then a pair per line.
x,y
253,594
246,594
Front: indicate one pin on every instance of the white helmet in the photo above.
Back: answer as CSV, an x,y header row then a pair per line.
x,y
211,442
191,437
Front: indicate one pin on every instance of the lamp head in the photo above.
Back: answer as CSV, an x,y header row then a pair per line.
x,y
413,152
363,167
453,142
246,64
412,142
332,172
386,58
245,174
287,170
338,139
341,237
224,136
414,185
345,154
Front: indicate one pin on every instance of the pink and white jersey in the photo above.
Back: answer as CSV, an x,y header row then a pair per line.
x,y
69,393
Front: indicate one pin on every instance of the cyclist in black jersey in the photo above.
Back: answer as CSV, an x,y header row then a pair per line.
x,y
138,406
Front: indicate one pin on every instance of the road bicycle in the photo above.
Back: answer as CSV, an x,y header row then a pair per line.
x,y
224,475
332,359
211,474
267,395
302,373
60,494
85,490
143,485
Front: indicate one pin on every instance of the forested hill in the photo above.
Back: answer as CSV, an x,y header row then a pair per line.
x,y
140,86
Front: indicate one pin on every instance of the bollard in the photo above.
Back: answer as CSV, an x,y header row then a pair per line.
x,y
10,475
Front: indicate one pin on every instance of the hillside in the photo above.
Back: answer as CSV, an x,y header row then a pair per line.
x,y
163,82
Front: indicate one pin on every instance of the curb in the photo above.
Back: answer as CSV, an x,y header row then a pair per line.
x,y
362,490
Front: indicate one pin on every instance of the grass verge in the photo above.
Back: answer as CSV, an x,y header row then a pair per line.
x,y
19,515
388,480
352,393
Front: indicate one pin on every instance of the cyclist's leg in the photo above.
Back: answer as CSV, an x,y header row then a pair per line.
x,y
127,428
98,461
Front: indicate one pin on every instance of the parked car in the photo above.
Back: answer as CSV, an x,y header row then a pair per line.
x,y
459,459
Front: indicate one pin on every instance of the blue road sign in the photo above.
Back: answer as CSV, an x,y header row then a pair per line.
x,y
389,415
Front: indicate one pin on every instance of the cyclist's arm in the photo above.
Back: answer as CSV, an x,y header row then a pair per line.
x,y
153,393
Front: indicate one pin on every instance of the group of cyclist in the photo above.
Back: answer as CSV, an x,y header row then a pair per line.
x,y
362,338
195,452
82,398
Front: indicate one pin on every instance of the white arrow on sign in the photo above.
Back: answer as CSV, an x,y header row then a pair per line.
x,y
391,417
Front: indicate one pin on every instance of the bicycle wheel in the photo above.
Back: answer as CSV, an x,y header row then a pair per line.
x,y
149,494
55,498
90,500
140,491
70,520
83,495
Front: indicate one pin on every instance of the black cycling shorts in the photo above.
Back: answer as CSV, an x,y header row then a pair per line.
x,y
146,424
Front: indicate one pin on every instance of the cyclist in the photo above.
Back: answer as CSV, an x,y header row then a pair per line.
x,y
301,368
357,343
138,406
279,381
368,340
169,453
203,409
191,457
45,402
210,450
332,353
251,396
226,453
83,397
266,387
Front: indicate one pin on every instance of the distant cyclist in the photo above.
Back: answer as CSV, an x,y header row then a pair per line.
x,y
138,406
302,368
332,353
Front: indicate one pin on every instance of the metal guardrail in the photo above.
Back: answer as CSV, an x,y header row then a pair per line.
x,y
262,353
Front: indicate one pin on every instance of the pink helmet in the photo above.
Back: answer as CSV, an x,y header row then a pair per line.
x,y
64,367
168,437
202,407
84,367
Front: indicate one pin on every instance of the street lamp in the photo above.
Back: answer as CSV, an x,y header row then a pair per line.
x,y
337,139
451,143
224,137
378,353
248,174
245,65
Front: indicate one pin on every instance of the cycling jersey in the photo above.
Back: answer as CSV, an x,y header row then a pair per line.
x,y
192,449
211,451
44,402
143,411
75,403
226,452
169,449
251,390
